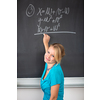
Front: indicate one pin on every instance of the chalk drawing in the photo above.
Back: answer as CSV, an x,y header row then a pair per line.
x,y
30,10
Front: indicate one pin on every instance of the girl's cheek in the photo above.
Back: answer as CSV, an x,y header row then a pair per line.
x,y
44,57
45,54
53,59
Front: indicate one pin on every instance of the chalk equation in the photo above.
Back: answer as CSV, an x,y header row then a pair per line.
x,y
50,11
48,19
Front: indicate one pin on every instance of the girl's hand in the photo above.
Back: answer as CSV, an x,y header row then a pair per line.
x,y
46,39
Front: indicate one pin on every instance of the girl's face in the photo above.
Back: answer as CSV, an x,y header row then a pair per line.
x,y
49,57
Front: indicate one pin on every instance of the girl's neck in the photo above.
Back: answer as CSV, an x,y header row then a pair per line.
x,y
51,65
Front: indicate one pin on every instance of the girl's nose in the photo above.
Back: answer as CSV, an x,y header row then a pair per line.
x,y
48,56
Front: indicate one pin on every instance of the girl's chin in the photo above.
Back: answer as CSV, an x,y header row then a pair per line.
x,y
48,62
45,60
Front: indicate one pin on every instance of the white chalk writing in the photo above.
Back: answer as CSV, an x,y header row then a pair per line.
x,y
48,19
51,16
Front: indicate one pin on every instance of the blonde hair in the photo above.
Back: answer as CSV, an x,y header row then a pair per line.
x,y
59,51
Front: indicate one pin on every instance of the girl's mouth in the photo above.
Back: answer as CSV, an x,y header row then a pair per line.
x,y
47,59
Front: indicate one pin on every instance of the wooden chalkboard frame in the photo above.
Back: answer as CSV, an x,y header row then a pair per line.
x,y
35,82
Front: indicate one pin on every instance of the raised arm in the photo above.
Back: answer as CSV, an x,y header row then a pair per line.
x,y
46,39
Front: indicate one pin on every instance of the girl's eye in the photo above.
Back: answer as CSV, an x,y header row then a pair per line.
x,y
52,55
48,52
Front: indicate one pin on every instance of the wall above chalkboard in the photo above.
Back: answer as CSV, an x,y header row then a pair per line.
x,y
63,20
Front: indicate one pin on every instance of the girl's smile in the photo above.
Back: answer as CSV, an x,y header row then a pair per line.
x,y
47,59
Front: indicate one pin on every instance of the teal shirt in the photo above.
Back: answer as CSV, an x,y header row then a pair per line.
x,y
55,76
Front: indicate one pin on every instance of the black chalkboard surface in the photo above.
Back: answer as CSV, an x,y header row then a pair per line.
x,y
63,20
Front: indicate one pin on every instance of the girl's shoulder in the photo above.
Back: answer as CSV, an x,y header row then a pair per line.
x,y
56,69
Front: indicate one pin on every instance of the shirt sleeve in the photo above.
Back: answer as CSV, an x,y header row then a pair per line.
x,y
55,77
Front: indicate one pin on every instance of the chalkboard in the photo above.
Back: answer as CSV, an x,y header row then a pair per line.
x,y
63,20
